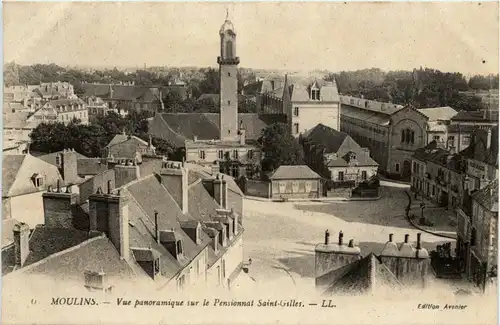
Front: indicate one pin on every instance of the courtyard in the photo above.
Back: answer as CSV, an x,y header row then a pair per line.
x,y
280,237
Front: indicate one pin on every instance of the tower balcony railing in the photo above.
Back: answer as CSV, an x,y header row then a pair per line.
x,y
221,60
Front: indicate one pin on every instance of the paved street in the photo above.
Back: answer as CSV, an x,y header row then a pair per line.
x,y
280,237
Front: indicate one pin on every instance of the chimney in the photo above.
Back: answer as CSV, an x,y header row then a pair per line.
x,y
220,190
157,228
406,238
332,256
419,244
341,238
21,243
215,168
68,168
175,178
127,173
109,214
390,248
110,186
406,249
58,207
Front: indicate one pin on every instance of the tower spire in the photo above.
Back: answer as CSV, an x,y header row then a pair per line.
x,y
227,14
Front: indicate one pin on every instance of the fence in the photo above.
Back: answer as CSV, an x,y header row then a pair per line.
x,y
256,188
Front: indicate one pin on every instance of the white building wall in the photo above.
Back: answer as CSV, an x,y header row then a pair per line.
x,y
312,114
28,208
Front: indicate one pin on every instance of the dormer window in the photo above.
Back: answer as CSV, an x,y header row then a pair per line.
x,y
157,266
315,94
38,180
58,160
180,248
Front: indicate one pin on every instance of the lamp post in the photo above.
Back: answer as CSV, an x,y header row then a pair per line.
x,y
422,207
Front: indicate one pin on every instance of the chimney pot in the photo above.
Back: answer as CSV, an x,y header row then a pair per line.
x,y
327,237
390,237
419,244
341,237
406,238
351,243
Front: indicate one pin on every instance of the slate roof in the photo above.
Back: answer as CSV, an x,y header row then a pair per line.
x,y
119,138
477,116
297,87
371,105
438,113
435,153
354,112
122,92
478,150
96,254
362,276
294,172
51,157
152,196
45,242
339,143
90,166
17,172
488,197
178,127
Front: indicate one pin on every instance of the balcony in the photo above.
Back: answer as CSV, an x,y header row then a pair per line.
x,y
235,60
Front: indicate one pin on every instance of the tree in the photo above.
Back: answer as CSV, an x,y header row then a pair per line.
x,y
279,147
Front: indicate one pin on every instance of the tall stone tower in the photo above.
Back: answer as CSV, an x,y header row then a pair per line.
x,y
228,73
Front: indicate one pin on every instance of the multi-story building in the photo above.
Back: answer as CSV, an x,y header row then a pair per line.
x,y
305,102
172,229
437,174
391,132
437,125
63,111
335,155
43,91
477,236
465,123
227,140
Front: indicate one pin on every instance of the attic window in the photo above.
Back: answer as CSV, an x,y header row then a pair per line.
x,y
157,266
315,94
58,160
38,180
179,247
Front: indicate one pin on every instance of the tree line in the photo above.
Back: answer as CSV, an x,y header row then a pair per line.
x,y
420,87
90,140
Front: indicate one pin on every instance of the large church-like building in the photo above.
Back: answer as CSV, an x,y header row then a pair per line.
x,y
225,141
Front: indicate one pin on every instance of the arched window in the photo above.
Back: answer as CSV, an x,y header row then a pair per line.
x,y
403,136
412,137
229,49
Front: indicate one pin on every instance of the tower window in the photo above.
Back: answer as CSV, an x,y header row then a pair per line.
x,y
296,111
229,102
229,49
221,154
202,154
250,154
397,167
229,74
296,128
235,154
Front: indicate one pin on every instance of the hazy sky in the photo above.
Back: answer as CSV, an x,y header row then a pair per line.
x,y
333,36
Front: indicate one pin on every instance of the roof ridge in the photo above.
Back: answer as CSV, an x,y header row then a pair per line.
x,y
72,248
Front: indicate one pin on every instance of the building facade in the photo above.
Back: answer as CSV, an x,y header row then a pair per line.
x,y
306,102
336,156
63,111
391,132
477,237
292,182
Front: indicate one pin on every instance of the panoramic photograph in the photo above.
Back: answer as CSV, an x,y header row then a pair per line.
x,y
250,162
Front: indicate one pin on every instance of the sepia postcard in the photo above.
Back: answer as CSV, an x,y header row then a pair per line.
x,y
250,163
